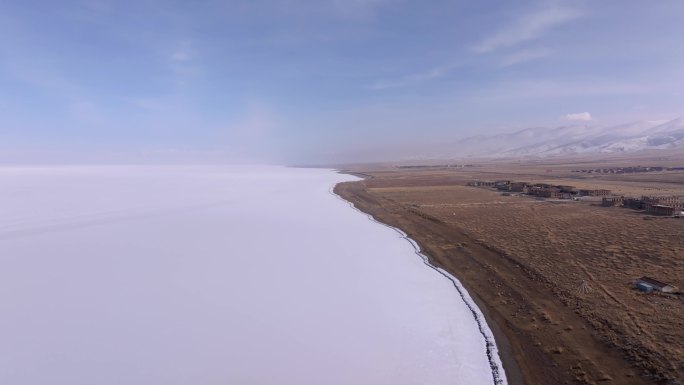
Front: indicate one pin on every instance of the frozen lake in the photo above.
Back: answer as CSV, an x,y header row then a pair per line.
x,y
143,275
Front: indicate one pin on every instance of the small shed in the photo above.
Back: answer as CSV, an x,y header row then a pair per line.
x,y
644,282
644,287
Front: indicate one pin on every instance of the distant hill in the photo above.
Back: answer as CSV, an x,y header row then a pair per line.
x,y
565,140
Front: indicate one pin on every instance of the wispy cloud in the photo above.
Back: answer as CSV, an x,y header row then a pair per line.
x,y
149,104
183,61
528,27
545,89
579,116
359,9
524,56
100,6
416,78
180,56
87,113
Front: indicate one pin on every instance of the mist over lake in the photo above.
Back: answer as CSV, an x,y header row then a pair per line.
x,y
145,275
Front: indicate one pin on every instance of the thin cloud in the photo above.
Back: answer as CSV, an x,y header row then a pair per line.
x,y
536,89
180,56
99,6
524,56
183,61
88,113
183,51
529,27
408,80
359,9
580,116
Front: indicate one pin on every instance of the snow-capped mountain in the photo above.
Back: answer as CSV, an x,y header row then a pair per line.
x,y
569,140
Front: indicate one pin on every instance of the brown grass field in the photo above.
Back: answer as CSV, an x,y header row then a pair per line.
x,y
524,260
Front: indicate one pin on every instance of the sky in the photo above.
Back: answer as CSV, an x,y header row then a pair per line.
x,y
304,81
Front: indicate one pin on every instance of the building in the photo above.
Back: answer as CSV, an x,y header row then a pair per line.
x,y
663,210
660,200
633,203
521,187
550,192
644,287
663,205
644,283
567,189
612,201
479,183
502,185
594,193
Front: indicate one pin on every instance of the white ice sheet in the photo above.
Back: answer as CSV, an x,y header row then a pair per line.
x,y
144,275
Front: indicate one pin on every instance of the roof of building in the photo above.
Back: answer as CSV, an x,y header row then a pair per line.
x,y
653,282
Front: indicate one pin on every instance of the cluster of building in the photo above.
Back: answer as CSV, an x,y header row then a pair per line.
x,y
542,190
437,166
625,170
655,205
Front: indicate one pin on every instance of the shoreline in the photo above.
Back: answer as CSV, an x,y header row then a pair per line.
x,y
499,371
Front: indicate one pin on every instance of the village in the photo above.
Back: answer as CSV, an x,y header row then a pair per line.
x,y
671,205
628,170
654,205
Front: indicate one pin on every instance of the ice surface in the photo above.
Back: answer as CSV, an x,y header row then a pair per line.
x,y
217,275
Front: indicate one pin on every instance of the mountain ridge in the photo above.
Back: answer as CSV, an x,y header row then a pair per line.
x,y
541,142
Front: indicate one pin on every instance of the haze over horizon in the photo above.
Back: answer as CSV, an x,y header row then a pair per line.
x,y
300,81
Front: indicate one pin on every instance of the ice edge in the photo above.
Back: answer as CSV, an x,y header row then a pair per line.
x,y
492,350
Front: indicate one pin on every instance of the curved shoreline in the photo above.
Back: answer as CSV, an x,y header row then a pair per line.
x,y
491,349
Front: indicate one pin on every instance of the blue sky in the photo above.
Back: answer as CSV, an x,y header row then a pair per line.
x,y
314,81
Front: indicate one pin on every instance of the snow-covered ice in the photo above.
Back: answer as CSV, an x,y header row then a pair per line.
x,y
164,275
